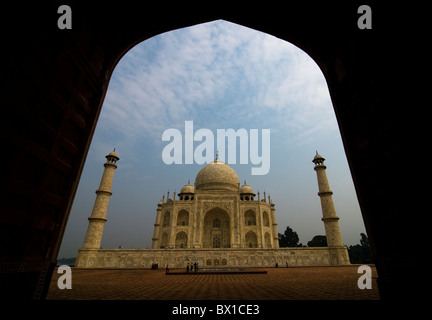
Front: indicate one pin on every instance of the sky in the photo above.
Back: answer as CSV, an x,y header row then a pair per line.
x,y
219,75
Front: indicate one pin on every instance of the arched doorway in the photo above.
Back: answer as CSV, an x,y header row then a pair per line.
x,y
251,240
267,240
216,230
181,240
183,218
250,218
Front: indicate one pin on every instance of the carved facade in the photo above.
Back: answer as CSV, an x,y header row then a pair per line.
x,y
216,223
208,222
216,213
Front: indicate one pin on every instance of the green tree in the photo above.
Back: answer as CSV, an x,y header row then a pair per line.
x,y
289,238
364,241
361,253
318,241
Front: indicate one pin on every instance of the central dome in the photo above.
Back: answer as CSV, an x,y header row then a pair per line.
x,y
217,175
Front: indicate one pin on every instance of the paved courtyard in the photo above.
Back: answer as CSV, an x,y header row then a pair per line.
x,y
302,283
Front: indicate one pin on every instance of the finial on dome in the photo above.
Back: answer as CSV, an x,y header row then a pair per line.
x,y
112,157
318,159
217,160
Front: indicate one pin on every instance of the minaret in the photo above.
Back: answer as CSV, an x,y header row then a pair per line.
x,y
274,225
98,218
331,224
155,239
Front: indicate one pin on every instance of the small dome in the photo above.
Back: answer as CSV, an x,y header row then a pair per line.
x,y
217,175
246,189
112,154
318,158
112,157
187,189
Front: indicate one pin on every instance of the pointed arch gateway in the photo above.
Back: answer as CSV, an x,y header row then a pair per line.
x,y
216,230
181,240
251,240
351,80
183,218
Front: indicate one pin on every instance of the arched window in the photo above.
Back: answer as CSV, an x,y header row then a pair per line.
x,y
164,242
216,223
266,220
183,218
267,240
250,218
251,239
181,240
166,219
216,241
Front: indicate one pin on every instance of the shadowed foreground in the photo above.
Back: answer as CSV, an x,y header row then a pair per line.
x,y
304,283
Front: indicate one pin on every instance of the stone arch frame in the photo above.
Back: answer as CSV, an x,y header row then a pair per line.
x,y
354,68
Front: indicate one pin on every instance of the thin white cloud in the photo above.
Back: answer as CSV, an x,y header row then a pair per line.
x,y
211,67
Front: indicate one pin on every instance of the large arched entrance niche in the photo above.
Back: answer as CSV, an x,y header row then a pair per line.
x,y
217,231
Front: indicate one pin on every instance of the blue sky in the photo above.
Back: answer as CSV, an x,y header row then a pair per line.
x,y
219,75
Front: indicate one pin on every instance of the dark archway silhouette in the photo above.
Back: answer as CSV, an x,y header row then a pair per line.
x,y
53,85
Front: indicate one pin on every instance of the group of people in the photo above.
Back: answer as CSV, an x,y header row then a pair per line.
x,y
192,267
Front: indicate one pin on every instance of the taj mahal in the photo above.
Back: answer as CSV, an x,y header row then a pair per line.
x,y
217,222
